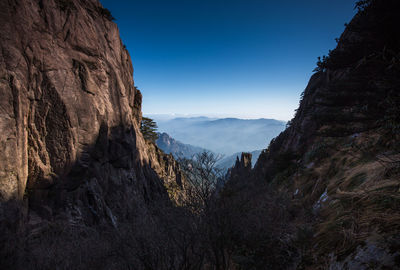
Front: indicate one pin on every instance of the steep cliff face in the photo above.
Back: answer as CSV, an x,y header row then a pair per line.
x,y
78,183
339,157
69,112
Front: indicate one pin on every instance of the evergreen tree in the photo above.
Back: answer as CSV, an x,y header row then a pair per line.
x,y
149,129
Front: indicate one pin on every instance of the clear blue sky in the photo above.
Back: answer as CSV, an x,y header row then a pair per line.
x,y
240,58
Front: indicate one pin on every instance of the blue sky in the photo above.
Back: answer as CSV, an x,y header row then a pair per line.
x,y
239,58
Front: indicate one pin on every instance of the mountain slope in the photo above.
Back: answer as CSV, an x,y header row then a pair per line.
x,y
338,161
176,148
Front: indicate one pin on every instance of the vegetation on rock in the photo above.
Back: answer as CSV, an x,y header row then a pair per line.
x,y
149,129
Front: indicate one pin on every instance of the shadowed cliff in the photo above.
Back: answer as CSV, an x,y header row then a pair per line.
x,y
339,157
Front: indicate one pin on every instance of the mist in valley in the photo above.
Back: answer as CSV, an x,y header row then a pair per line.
x,y
225,136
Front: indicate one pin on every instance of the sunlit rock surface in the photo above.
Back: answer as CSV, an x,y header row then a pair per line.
x,y
70,113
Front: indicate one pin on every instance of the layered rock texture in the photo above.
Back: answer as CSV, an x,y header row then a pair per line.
x,y
77,180
69,113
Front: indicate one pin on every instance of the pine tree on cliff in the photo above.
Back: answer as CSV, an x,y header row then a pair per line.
x,y
149,129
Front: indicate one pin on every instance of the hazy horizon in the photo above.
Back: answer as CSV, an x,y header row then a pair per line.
x,y
170,116
222,135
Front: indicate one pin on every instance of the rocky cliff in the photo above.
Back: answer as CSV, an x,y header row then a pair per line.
x,y
73,160
339,157
70,114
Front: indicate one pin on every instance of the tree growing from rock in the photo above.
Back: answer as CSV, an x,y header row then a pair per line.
x,y
148,128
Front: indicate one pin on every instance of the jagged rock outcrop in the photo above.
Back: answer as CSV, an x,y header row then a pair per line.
x,y
242,168
169,171
70,113
230,161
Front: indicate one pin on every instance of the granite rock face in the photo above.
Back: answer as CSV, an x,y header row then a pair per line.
x,y
70,113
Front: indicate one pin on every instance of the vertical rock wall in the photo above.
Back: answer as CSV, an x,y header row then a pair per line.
x,y
69,111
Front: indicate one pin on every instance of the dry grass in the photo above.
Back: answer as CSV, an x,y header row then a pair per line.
x,y
352,216
363,193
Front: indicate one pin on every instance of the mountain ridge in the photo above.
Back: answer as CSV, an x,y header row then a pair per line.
x,y
178,149
226,136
